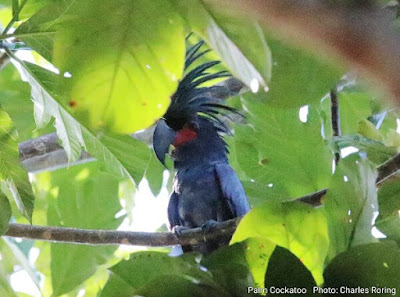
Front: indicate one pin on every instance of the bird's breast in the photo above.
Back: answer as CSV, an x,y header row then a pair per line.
x,y
200,197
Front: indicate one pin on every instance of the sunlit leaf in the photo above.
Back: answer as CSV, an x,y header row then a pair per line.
x,y
258,253
279,223
124,68
350,204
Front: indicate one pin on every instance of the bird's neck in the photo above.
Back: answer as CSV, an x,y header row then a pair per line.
x,y
199,153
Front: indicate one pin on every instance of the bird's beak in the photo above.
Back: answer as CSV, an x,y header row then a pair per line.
x,y
163,137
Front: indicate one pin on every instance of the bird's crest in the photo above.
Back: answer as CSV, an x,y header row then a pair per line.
x,y
190,100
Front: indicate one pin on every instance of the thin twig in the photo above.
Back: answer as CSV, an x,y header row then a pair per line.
x,y
335,119
388,169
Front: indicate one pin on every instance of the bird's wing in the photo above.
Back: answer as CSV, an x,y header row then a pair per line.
x,y
173,214
232,189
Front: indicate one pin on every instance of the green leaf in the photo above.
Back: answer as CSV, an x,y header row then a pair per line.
x,y
5,213
249,62
87,198
113,151
116,286
286,271
388,220
367,129
14,179
350,204
15,100
32,6
138,275
279,223
229,268
276,148
124,68
178,286
292,72
372,267
376,151
38,32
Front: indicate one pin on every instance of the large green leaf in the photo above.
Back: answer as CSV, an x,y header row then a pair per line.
x,y
350,204
145,274
14,179
87,198
388,220
279,150
125,57
115,152
374,268
249,62
280,223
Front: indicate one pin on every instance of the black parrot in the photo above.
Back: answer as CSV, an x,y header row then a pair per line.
x,y
206,188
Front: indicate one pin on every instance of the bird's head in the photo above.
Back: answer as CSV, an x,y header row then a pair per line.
x,y
193,116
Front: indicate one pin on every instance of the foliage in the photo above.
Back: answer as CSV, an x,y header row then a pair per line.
x,y
98,70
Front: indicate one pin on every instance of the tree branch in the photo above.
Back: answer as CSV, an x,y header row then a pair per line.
x,y
112,237
191,236
385,171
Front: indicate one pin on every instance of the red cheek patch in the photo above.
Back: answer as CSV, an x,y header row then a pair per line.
x,y
184,135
